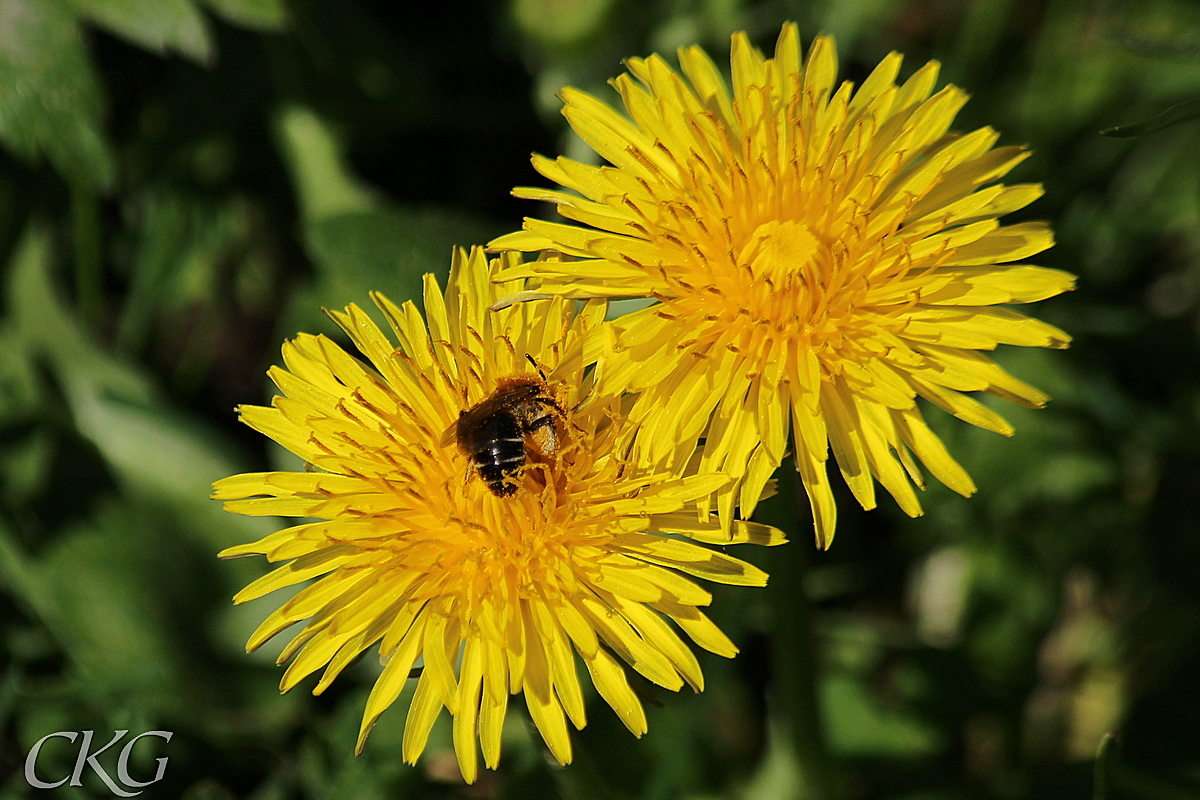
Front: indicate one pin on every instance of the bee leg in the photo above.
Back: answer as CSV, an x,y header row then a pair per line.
x,y
515,479
470,472
545,475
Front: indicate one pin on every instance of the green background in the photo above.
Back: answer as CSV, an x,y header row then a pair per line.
x,y
184,184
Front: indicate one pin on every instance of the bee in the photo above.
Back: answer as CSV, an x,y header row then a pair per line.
x,y
519,419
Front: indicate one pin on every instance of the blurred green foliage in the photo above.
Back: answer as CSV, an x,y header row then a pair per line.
x,y
183,184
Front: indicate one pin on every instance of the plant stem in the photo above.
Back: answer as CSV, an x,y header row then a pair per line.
x,y
795,666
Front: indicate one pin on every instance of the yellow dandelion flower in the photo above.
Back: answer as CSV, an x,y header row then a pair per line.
x,y
821,257
494,587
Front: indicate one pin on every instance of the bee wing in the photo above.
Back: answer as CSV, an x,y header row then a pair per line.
x,y
505,397
449,435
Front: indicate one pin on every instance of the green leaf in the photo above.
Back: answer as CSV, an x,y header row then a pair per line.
x,y
183,243
161,238
356,245
50,100
157,25
860,725
388,250
263,15
152,450
89,589
1180,112
43,324
19,389
324,184
92,591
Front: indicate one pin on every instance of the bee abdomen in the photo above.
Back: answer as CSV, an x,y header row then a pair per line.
x,y
498,452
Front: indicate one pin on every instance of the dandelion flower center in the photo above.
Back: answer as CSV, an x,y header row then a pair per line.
x,y
784,255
